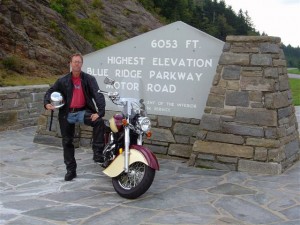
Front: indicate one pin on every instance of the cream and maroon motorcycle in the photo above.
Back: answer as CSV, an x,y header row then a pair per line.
x,y
131,165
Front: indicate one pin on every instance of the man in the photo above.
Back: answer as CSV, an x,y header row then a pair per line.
x,y
80,93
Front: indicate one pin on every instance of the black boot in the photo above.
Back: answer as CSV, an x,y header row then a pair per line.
x,y
98,158
69,159
98,136
98,153
67,131
70,175
98,142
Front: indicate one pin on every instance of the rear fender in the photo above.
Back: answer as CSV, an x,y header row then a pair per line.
x,y
137,154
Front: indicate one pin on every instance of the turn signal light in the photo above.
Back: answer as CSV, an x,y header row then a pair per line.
x,y
149,134
124,122
120,150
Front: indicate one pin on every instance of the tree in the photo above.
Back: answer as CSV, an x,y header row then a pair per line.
x,y
210,16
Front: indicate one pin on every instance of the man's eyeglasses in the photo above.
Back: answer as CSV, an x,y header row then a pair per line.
x,y
76,62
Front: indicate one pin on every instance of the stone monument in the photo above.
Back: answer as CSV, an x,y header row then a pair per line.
x,y
171,68
249,122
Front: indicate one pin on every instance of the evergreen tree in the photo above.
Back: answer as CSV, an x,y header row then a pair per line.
x,y
213,17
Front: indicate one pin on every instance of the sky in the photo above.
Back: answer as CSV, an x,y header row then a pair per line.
x,y
279,18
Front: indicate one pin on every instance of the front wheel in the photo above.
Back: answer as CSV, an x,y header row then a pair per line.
x,y
136,182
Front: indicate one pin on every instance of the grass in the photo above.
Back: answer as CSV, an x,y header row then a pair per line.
x,y
15,79
294,71
295,88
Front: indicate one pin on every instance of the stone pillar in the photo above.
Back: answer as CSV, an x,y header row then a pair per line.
x,y
249,122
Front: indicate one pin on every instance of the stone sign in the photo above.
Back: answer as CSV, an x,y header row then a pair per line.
x,y
171,68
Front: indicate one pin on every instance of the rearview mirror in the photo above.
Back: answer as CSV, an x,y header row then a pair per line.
x,y
109,81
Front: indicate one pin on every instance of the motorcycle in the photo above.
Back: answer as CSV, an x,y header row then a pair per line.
x,y
131,165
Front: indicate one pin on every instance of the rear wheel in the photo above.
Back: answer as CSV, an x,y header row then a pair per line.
x,y
136,182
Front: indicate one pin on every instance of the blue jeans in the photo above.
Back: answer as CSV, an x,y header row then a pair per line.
x,y
76,117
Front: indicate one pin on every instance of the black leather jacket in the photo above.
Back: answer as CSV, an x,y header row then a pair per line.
x,y
65,86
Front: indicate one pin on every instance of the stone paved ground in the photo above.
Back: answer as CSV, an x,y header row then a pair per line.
x,y
33,192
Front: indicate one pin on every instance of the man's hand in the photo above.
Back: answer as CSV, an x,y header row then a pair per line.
x,y
50,107
94,116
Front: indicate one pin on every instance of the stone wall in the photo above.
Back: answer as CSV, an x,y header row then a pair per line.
x,y
171,136
249,122
21,106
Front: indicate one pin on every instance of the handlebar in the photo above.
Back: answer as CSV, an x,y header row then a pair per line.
x,y
110,94
128,104
113,96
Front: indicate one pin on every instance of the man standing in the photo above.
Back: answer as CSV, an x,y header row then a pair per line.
x,y
80,92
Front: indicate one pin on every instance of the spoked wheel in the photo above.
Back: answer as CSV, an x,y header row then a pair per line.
x,y
134,183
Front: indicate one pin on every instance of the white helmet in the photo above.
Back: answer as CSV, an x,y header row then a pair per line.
x,y
57,99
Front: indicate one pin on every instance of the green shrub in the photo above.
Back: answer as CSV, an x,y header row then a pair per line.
x,y
65,7
60,6
97,4
57,31
89,28
92,30
12,63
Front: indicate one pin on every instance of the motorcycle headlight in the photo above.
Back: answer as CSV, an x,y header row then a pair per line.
x,y
144,123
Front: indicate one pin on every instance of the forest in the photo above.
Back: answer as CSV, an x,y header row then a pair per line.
x,y
215,18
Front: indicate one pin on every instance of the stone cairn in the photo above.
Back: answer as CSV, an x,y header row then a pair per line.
x,y
249,122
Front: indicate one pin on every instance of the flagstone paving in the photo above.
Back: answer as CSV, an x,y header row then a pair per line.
x,y
33,192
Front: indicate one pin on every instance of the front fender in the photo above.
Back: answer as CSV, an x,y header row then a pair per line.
x,y
137,154
150,157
